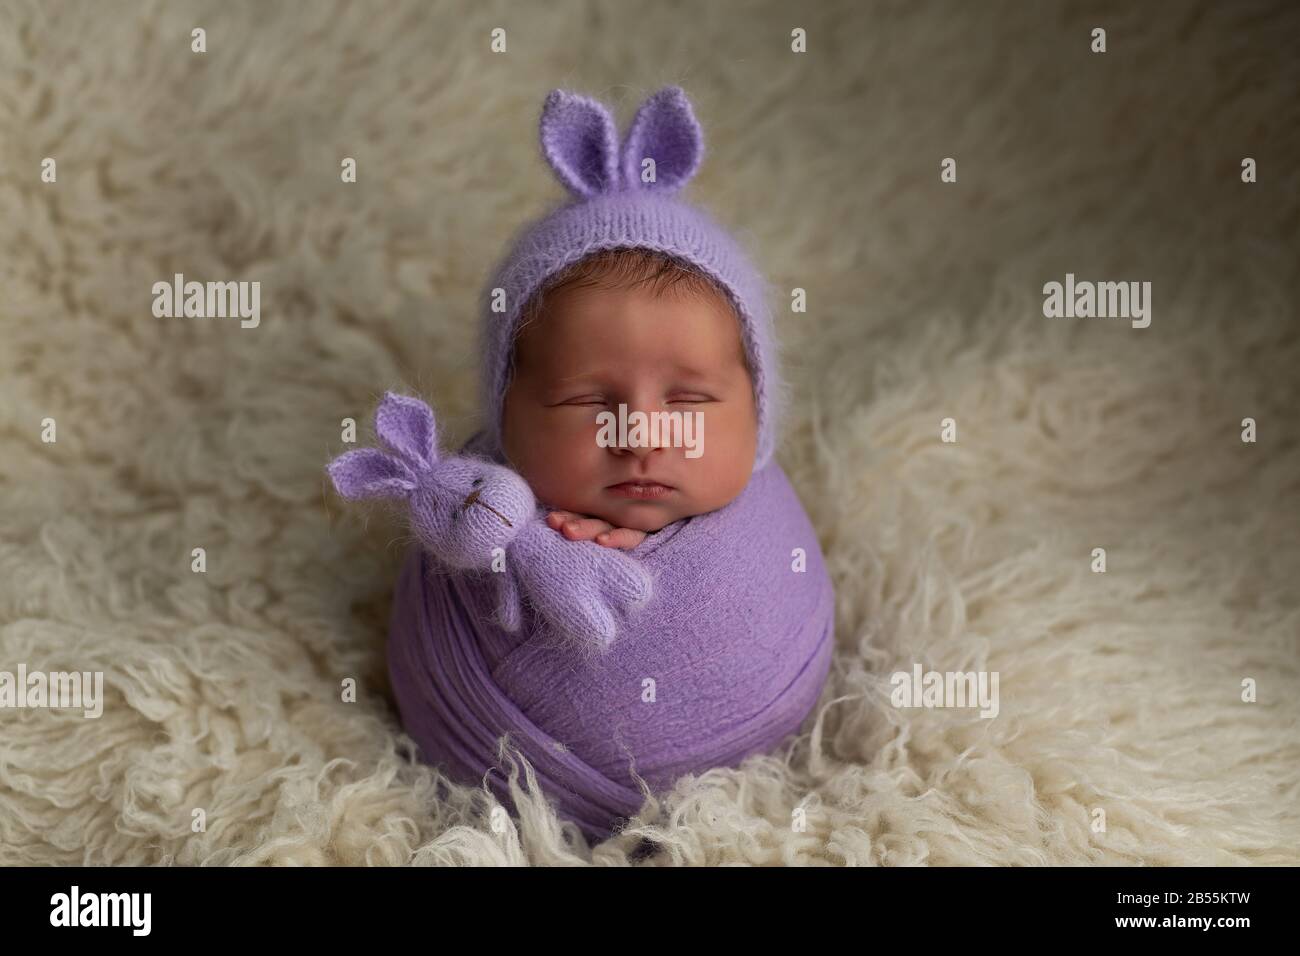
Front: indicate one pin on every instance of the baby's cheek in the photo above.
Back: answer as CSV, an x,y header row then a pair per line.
x,y
555,460
564,434
730,443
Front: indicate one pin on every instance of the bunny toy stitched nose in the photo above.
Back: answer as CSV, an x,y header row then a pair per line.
x,y
473,499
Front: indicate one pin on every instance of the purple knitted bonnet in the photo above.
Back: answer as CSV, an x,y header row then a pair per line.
x,y
612,206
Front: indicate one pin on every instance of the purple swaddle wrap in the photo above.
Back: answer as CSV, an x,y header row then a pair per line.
x,y
736,641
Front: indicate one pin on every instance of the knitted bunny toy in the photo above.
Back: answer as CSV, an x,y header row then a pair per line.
x,y
468,512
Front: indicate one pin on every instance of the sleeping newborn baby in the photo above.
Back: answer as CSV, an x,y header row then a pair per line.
x,y
619,614
634,328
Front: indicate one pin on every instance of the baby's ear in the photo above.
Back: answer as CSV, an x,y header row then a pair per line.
x,y
665,129
580,141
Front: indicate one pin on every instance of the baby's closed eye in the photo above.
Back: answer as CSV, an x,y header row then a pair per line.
x,y
686,398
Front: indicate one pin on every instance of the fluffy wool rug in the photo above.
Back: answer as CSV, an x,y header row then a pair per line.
x,y
1127,731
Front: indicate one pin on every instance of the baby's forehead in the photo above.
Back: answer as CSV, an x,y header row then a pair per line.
x,y
584,319
583,315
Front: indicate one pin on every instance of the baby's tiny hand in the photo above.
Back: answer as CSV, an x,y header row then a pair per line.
x,y
577,527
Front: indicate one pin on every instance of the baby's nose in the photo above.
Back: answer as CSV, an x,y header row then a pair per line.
x,y
643,442
640,451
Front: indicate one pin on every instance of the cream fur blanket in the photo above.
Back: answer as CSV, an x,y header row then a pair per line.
x,y
225,736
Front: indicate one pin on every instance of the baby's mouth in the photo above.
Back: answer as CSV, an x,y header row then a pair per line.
x,y
641,490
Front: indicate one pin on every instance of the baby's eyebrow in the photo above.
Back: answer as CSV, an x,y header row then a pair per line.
x,y
579,377
689,369
599,376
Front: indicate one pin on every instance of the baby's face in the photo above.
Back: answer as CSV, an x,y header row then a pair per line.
x,y
595,349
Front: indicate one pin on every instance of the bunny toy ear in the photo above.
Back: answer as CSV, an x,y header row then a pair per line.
x,y
580,141
370,473
406,425
665,129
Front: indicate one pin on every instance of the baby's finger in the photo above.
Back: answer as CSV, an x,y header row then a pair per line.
x,y
584,529
624,538
558,519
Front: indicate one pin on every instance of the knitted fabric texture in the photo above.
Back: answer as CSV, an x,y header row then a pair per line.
x,y
726,660
625,196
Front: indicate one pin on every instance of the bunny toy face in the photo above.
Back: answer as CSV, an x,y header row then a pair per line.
x,y
465,508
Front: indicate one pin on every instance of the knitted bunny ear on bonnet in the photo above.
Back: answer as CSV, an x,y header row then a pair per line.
x,y
624,195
